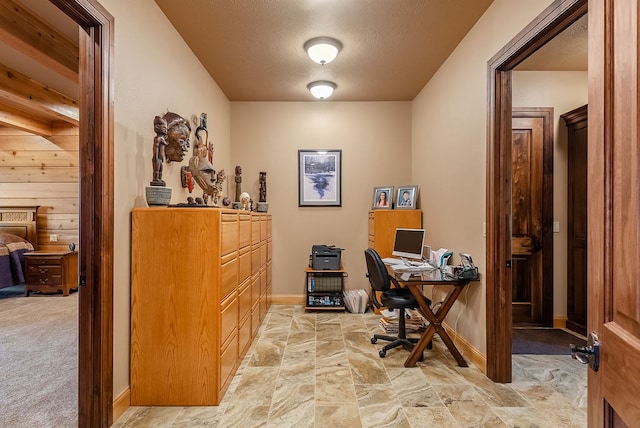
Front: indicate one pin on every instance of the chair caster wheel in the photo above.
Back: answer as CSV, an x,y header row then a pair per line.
x,y
382,353
374,340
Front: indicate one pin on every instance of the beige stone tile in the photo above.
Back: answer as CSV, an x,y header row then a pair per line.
x,y
334,385
304,324
430,417
338,416
467,407
256,387
328,331
247,416
413,389
295,370
161,417
207,416
367,369
373,414
293,405
267,353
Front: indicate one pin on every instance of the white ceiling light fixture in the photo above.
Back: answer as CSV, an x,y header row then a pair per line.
x,y
322,50
321,89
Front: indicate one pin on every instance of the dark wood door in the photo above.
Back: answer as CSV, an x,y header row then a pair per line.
x,y
531,293
614,211
576,121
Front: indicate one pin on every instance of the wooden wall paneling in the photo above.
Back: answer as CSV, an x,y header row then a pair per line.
x,y
38,167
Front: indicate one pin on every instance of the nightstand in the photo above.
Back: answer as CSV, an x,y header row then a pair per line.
x,y
51,271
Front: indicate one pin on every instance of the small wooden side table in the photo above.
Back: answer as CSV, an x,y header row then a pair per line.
x,y
49,272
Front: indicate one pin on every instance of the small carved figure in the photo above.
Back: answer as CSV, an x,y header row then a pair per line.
x,y
190,200
199,201
263,187
159,146
238,182
226,201
245,201
178,134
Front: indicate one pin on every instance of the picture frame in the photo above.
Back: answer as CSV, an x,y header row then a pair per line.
x,y
319,178
380,195
406,197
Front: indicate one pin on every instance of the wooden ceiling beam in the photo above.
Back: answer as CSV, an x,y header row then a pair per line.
x,y
17,119
24,31
20,91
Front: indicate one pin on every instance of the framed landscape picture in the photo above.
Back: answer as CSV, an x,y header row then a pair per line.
x,y
406,197
319,178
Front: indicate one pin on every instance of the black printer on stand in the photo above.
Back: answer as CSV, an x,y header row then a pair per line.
x,y
325,257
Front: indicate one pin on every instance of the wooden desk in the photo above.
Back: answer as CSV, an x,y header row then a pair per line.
x,y
415,283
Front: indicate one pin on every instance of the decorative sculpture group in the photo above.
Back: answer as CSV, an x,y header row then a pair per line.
x,y
171,143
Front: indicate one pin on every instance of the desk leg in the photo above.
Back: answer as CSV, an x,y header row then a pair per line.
x,y
435,326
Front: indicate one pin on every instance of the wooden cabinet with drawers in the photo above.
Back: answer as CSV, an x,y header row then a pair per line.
x,y
383,225
194,311
49,272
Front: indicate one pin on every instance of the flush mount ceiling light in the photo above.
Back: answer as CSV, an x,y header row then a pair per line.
x,y
321,89
322,50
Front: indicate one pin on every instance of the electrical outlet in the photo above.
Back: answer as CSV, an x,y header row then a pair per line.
x,y
53,238
556,227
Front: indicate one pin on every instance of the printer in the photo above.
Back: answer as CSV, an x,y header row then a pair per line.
x,y
325,257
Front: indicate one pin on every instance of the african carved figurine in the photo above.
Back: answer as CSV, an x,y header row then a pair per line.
x,y
178,133
159,146
201,166
238,182
263,187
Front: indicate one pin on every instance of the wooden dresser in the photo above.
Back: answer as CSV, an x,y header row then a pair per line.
x,y
383,225
49,272
200,287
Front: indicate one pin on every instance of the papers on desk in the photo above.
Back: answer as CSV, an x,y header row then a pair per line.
x,y
356,301
412,268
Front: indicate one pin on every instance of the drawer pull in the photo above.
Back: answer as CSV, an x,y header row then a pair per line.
x,y
43,271
44,280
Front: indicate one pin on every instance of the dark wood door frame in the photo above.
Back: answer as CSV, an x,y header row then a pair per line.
x,y
95,349
546,113
553,20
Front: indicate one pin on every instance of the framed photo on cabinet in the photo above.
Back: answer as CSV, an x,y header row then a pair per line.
x,y
319,178
382,197
406,197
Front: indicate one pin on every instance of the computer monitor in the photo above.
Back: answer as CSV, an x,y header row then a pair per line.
x,y
408,243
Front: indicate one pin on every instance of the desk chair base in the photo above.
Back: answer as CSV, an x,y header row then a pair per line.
x,y
406,343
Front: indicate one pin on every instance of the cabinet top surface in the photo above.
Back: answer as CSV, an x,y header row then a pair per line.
x,y
47,253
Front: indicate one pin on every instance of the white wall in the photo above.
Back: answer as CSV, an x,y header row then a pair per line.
x,y
449,150
375,139
564,91
154,72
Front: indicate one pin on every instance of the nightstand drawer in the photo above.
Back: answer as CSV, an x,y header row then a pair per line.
x,y
44,261
51,276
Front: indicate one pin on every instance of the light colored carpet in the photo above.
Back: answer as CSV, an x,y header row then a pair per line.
x,y
38,360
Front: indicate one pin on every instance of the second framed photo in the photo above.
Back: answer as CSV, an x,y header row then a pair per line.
x,y
382,198
406,197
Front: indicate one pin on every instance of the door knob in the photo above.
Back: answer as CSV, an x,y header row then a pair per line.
x,y
589,354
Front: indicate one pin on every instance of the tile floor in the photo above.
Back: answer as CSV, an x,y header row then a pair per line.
x,y
321,370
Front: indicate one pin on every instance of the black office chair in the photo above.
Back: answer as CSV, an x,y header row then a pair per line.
x,y
392,298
